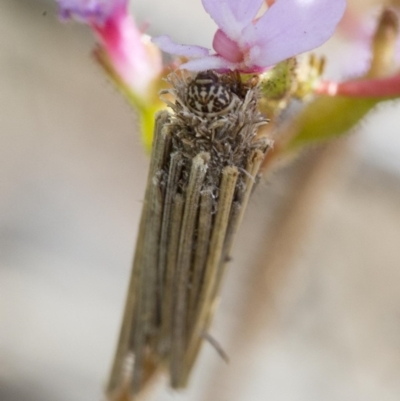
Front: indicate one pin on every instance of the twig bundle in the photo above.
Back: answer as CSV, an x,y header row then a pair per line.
x,y
205,160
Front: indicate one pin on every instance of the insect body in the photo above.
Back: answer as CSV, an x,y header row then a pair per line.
x,y
207,96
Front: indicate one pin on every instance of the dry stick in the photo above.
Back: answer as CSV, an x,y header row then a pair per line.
x,y
228,184
197,175
123,346
238,209
217,346
172,255
253,167
236,215
150,260
170,192
201,252
146,307
145,311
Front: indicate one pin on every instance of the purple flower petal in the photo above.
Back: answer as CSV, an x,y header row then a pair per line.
x,y
232,16
166,44
287,28
208,63
97,11
291,27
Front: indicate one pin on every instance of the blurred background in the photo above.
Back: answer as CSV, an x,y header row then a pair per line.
x,y
310,309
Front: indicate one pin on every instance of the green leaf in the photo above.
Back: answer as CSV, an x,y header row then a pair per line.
x,y
327,118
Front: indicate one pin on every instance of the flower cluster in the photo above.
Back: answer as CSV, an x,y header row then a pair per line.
x,y
133,56
248,43
251,37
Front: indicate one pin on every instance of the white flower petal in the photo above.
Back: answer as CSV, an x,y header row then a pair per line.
x,y
232,16
166,44
291,27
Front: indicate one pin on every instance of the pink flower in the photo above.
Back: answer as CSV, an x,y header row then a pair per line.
x,y
136,60
249,44
379,81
